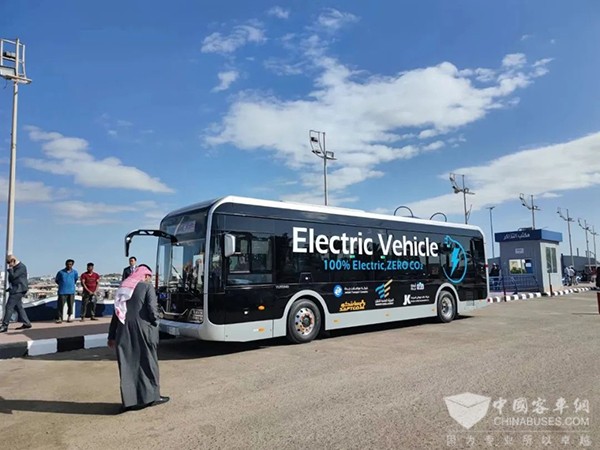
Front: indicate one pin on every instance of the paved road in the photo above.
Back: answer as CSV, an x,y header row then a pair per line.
x,y
379,387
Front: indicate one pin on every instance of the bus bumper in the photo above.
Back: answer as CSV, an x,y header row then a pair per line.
x,y
192,330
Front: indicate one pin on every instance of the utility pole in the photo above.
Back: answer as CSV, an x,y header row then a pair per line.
x,y
317,145
586,228
464,190
12,68
568,219
491,228
531,207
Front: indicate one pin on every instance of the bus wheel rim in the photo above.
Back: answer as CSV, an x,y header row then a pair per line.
x,y
305,321
447,307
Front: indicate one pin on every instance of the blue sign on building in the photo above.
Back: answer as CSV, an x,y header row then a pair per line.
x,y
528,235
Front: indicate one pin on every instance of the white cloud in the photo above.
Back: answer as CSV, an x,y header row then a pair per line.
x,y
279,12
239,36
70,156
526,36
365,116
225,80
559,167
332,19
94,213
514,60
28,191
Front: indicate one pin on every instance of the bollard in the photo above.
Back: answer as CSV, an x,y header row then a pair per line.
x,y
598,297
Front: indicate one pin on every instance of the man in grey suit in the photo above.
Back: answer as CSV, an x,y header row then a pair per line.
x,y
17,277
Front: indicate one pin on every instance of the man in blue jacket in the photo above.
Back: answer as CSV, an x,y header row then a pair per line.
x,y
17,277
66,280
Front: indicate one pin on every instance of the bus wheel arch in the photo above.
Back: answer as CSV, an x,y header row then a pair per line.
x,y
446,304
304,320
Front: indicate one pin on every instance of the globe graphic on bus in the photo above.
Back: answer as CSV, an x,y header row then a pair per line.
x,y
338,291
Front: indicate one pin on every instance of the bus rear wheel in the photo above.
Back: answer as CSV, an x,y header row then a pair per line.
x,y
446,307
304,322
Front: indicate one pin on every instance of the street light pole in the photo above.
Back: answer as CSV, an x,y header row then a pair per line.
x,y
317,145
586,228
533,207
569,220
492,229
594,233
12,68
464,190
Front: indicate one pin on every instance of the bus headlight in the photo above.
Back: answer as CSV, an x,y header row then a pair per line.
x,y
196,315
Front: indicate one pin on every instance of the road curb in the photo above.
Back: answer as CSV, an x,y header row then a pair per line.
x,y
528,295
54,345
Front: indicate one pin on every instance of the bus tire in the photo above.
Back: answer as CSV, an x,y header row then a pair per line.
x,y
446,307
304,322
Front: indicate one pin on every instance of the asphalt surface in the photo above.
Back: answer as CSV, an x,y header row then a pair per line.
x,y
374,387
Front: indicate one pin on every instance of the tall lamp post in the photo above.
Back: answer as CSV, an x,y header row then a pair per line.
x,y
569,219
594,233
586,228
464,190
317,145
492,228
12,68
533,208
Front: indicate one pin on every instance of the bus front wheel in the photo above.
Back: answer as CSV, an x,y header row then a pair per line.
x,y
304,322
446,307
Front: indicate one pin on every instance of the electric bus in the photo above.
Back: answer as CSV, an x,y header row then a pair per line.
x,y
243,269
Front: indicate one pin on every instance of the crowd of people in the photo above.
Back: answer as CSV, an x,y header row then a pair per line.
x,y
133,331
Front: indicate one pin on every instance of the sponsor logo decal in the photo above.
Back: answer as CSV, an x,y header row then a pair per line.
x,y
338,291
417,286
353,306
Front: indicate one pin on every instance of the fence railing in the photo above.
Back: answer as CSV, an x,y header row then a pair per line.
x,y
514,283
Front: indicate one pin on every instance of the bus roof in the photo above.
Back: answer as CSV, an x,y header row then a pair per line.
x,y
316,208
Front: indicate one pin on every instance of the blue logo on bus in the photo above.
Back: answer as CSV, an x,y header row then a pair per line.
x,y
458,261
338,291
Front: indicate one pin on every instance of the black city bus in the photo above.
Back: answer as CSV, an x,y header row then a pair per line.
x,y
242,269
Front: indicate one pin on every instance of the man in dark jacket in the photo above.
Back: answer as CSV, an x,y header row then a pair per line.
x,y
130,268
17,277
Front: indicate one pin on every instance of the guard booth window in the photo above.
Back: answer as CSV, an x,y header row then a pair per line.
x,y
252,262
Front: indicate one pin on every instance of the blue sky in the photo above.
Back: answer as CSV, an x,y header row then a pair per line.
x,y
137,109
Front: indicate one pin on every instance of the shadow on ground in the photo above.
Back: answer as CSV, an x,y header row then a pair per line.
x,y
7,406
184,348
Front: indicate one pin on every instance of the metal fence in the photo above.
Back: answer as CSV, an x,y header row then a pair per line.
x,y
515,283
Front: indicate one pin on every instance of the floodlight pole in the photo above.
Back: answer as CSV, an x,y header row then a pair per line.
x,y
12,67
533,208
568,219
464,190
586,228
492,229
594,233
318,147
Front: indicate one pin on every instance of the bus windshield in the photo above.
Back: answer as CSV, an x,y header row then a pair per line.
x,y
181,265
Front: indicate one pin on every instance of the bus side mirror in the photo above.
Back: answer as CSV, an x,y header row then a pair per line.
x,y
229,245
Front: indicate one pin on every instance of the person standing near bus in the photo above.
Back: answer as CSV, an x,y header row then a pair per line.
x,y
89,283
66,279
133,333
130,268
17,277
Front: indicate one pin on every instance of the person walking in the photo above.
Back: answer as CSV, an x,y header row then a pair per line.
x,y
133,333
66,279
17,277
130,268
89,283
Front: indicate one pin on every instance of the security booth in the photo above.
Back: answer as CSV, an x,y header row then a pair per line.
x,y
529,259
